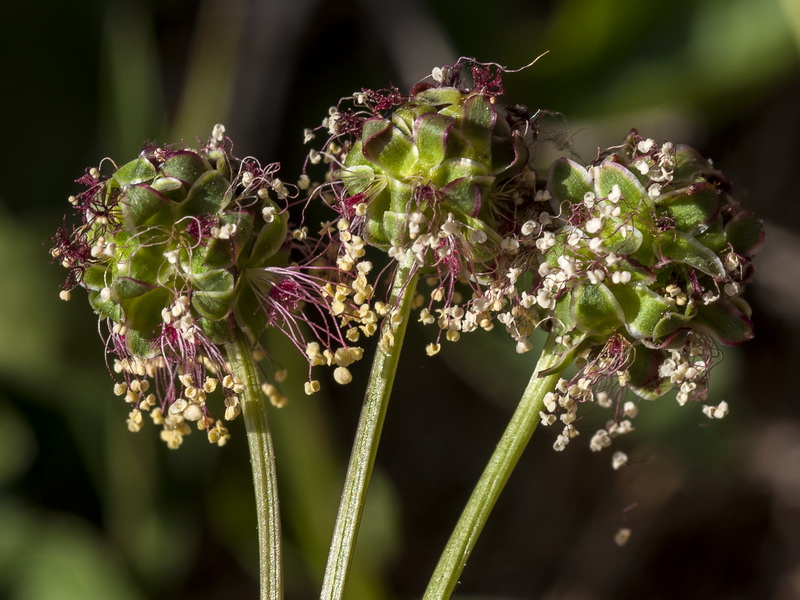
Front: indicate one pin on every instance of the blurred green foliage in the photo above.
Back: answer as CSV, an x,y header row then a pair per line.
x,y
88,510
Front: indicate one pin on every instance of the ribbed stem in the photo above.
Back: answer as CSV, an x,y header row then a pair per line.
x,y
365,446
262,460
495,475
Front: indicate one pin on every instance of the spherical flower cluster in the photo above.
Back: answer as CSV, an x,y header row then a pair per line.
x,y
642,267
181,251
433,175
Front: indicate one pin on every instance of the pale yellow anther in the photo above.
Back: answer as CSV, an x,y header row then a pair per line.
x,y
432,349
65,295
227,382
342,375
132,397
280,375
135,420
452,335
120,389
210,384
311,387
193,413
353,334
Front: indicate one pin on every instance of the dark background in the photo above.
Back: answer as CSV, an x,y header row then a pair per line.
x,y
88,510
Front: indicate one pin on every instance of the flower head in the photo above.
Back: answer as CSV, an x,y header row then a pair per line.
x,y
181,250
642,268
435,174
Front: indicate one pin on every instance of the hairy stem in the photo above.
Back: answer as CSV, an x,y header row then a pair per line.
x,y
495,475
262,459
365,446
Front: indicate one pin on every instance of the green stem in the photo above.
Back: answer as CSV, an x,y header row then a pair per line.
x,y
262,460
365,446
495,475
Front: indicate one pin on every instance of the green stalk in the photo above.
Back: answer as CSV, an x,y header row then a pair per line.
x,y
365,446
262,460
495,475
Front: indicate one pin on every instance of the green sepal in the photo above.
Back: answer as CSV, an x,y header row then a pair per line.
x,y
249,312
634,201
137,171
478,121
714,237
621,238
109,309
96,277
745,233
595,310
357,179
672,322
466,194
144,205
213,295
218,332
219,159
143,313
185,166
642,307
643,371
568,182
209,195
430,136
128,287
684,248
245,223
148,265
386,146
692,208
139,344
439,97
725,322
269,240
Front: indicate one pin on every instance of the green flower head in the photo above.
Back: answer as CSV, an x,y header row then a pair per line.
x,y
641,266
181,250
